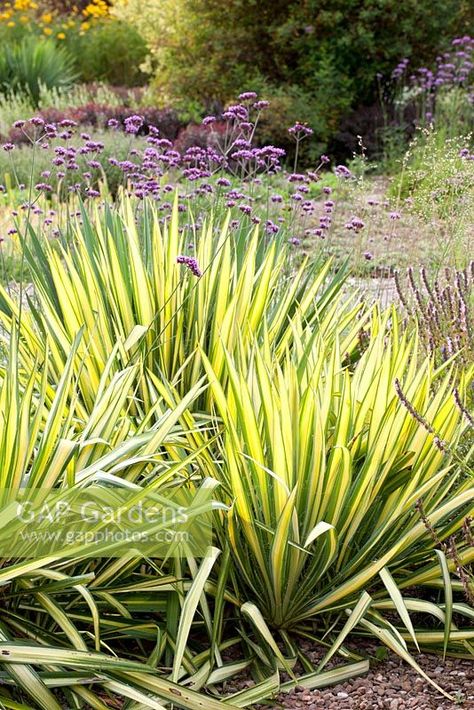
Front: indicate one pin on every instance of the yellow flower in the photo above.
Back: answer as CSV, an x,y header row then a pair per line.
x,y
96,9
48,31
11,24
47,18
61,35
85,26
24,19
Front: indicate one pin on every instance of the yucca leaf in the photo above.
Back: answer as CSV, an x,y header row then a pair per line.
x,y
448,599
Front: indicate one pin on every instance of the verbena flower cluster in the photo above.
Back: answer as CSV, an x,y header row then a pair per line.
x,y
226,171
228,168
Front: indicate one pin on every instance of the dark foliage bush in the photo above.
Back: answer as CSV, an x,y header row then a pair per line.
x,y
200,136
97,115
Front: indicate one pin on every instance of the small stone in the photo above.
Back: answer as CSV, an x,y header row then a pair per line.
x,y
343,695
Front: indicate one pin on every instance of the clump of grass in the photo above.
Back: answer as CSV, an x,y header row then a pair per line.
x,y
436,179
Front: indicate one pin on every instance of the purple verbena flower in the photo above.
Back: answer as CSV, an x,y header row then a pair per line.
x,y
300,130
191,263
248,96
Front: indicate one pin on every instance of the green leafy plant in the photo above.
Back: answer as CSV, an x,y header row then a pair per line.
x,y
34,63
326,435
110,51
45,445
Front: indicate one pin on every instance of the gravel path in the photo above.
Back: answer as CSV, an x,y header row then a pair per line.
x,y
392,685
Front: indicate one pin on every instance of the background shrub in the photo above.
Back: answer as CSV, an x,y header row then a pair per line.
x,y
111,51
327,57
103,48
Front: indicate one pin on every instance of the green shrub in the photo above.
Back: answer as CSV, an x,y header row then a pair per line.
x,y
324,465
176,313
46,445
210,51
111,51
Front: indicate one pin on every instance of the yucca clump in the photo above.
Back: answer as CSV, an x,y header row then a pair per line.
x,y
153,357
134,283
325,464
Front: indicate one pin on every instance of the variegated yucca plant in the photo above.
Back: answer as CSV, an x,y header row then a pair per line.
x,y
324,465
68,619
317,416
118,279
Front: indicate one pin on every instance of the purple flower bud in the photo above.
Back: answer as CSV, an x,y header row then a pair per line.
x,y
191,263
342,172
300,130
248,96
